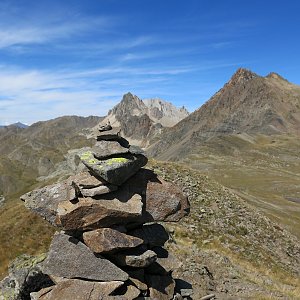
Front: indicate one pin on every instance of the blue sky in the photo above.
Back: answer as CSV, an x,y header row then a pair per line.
x,y
79,57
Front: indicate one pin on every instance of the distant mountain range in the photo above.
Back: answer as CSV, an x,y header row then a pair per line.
x,y
18,124
248,103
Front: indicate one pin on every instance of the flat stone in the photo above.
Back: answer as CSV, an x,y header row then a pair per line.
x,y
114,170
135,259
88,185
76,289
100,190
70,258
107,240
85,180
88,213
163,201
44,201
160,287
106,149
152,234
113,134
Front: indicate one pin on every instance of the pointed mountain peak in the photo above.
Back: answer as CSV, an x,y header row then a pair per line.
x,y
242,75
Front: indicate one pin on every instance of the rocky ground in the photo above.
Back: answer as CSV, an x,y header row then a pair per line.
x,y
228,248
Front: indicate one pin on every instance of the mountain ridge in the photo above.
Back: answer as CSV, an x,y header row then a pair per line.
x,y
142,120
247,103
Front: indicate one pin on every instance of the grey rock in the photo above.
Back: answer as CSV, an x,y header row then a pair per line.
x,y
2,199
44,201
70,258
207,297
88,213
114,170
135,259
106,149
25,276
152,234
76,289
89,186
132,292
136,150
107,240
99,190
85,180
109,135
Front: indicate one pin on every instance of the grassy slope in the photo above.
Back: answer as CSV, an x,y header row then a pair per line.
x,y
21,232
227,247
265,171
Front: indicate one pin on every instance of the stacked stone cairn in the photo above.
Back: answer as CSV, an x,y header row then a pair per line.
x,y
110,245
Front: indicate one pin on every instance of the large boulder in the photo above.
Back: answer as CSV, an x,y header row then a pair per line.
x,y
88,213
70,258
115,170
108,240
163,201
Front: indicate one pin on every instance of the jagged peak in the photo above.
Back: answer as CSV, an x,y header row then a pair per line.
x,y
242,75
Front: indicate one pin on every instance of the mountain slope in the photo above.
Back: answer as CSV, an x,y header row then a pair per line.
x,y
247,103
141,120
28,153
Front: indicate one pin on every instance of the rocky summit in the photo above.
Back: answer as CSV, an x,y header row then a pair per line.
x,y
109,244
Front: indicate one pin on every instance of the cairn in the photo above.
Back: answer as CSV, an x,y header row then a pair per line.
x,y
110,245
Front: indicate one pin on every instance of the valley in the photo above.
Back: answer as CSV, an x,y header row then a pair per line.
x,y
263,170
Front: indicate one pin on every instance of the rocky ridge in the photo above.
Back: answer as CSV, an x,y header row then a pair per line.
x,y
247,103
110,245
141,120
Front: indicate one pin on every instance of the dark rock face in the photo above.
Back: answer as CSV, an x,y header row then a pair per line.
x,y
162,287
152,234
70,258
